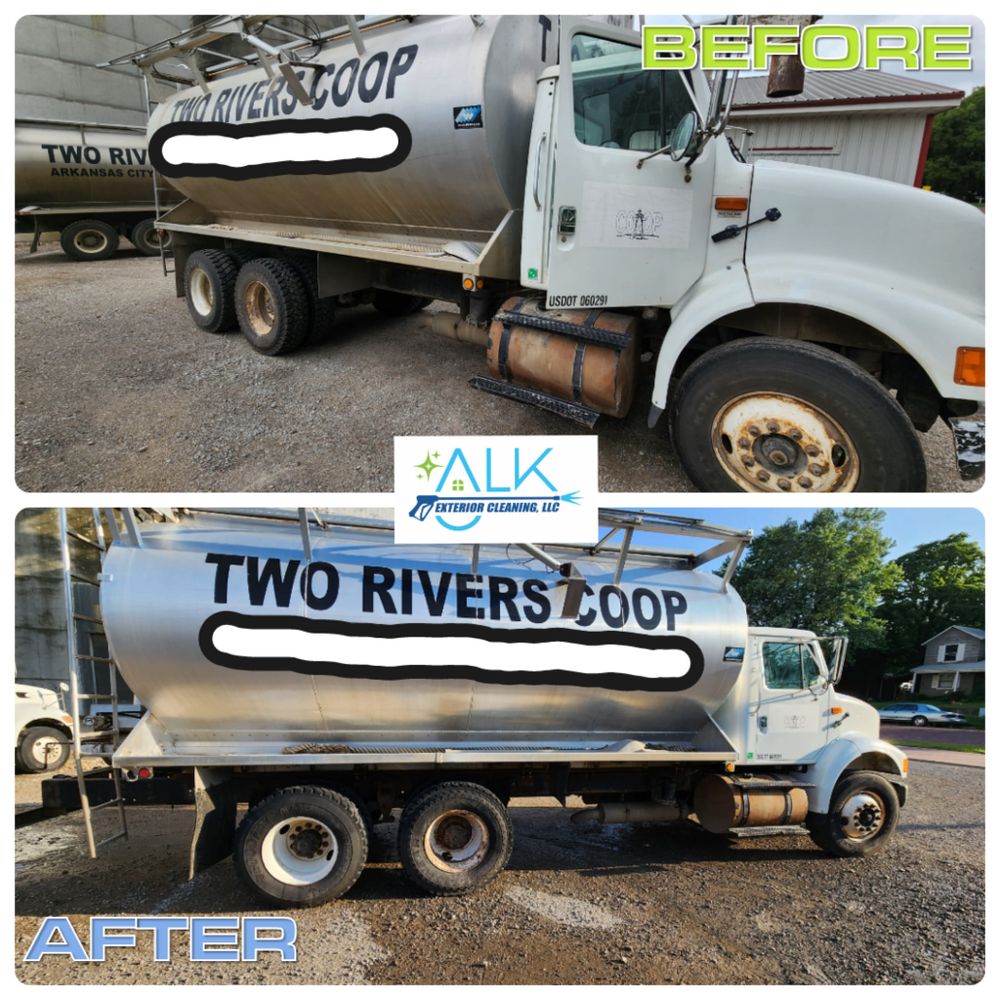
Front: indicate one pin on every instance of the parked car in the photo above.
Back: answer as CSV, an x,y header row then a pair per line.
x,y
42,729
920,715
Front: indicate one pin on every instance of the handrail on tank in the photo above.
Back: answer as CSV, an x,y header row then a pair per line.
x,y
201,36
732,541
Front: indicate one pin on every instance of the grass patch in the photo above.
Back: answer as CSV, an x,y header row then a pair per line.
x,y
924,745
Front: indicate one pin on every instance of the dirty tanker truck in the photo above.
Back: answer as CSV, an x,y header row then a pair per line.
x,y
327,677
803,324
92,184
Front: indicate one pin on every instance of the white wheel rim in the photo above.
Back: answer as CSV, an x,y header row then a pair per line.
x,y
202,296
862,816
90,241
300,850
457,841
775,443
44,749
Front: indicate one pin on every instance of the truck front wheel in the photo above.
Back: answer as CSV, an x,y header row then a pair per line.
x,y
454,837
769,415
41,748
302,846
89,239
272,305
863,813
209,284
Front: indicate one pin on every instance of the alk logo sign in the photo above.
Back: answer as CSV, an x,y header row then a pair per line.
x,y
496,489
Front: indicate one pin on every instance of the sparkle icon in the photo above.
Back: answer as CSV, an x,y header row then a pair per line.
x,y
428,465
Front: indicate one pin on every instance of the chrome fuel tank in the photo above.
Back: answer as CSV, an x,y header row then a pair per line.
x,y
65,165
460,90
226,632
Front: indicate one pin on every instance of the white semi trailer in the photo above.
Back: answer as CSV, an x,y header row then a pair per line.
x,y
804,324
327,677
91,183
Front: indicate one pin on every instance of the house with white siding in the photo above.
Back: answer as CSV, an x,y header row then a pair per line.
x,y
863,121
954,662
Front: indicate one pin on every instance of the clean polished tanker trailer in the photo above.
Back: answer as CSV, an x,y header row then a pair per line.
x,y
327,677
92,184
803,324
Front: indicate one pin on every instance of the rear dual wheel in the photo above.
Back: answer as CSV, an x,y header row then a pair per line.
x,y
454,837
89,239
302,846
769,415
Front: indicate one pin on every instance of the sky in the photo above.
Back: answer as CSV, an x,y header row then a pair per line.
x,y
957,79
907,526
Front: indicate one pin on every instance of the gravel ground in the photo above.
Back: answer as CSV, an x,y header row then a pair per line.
x,y
613,905
117,390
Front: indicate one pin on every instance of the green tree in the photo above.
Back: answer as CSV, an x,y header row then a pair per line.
x,y
956,162
827,574
943,583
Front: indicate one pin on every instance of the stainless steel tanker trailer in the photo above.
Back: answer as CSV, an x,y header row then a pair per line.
x,y
93,184
327,677
802,324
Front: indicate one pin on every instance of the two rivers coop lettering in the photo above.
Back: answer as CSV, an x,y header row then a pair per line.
x,y
413,623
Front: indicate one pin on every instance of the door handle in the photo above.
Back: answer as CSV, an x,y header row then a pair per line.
x,y
538,167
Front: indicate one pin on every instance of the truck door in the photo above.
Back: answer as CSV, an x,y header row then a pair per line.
x,y
622,235
792,715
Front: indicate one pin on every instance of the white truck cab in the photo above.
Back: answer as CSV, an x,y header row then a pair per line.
x,y
799,298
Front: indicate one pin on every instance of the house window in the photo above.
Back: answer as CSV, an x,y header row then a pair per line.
x,y
943,682
950,653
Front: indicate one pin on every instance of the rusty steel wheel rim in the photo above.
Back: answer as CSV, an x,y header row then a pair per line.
x,y
259,308
457,841
862,816
776,443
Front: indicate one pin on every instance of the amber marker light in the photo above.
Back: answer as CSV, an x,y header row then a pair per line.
x,y
468,284
732,204
970,366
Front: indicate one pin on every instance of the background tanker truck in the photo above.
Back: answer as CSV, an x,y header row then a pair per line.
x,y
581,211
93,184
326,677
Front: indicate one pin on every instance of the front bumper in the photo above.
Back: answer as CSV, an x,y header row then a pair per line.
x,y
970,446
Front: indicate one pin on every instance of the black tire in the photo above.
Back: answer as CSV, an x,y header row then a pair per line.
x,y
272,306
89,239
398,303
919,720
147,240
322,312
42,748
336,833
866,442
830,830
209,289
448,819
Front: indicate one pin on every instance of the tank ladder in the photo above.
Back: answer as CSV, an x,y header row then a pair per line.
x,y
87,620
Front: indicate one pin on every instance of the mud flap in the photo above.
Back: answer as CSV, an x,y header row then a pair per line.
x,y
970,446
215,818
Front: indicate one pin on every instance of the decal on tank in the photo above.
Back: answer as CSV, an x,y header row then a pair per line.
x,y
614,660
356,143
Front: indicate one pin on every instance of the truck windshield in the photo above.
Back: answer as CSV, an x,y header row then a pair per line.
x,y
619,105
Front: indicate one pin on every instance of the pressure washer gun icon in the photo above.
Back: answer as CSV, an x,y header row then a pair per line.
x,y
425,503
423,506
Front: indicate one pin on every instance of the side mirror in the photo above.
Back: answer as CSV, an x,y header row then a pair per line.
x,y
682,137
